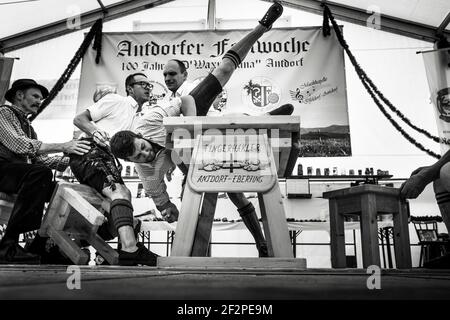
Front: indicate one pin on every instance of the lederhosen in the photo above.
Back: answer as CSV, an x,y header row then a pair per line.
x,y
97,168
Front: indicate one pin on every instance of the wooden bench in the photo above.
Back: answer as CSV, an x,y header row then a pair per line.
x,y
75,213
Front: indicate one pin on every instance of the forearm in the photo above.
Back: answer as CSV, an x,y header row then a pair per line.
x,y
153,183
56,163
432,172
52,148
84,122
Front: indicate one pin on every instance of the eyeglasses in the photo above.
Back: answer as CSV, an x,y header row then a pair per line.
x,y
143,84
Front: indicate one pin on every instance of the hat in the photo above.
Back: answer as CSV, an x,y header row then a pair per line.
x,y
21,84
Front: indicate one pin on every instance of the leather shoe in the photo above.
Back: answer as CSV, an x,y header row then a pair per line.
x,y
272,14
12,253
142,256
285,109
263,252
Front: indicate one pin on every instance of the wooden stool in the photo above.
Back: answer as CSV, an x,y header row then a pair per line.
x,y
74,213
368,201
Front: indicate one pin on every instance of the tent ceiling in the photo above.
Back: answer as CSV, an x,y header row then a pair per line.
x,y
44,19
419,19
57,18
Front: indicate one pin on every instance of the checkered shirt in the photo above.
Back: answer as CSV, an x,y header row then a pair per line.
x,y
15,139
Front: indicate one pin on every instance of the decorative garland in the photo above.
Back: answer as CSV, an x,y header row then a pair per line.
x,y
426,218
95,32
373,91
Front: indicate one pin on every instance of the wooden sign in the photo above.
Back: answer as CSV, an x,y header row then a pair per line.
x,y
232,163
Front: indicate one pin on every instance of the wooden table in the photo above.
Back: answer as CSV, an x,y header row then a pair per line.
x,y
368,201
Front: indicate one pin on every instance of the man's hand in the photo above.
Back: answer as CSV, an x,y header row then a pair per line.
x,y
169,212
413,187
79,147
101,137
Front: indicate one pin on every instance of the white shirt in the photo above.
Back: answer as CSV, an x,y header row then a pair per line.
x,y
114,113
150,124
184,89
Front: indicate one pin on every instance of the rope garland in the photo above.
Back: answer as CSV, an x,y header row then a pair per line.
x,y
373,91
94,33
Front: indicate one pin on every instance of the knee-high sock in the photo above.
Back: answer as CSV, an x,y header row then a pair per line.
x,y
121,212
240,50
251,221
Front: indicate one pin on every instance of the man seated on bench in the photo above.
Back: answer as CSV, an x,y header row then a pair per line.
x,y
25,169
147,146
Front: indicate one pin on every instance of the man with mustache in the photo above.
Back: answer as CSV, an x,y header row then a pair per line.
x,y
100,170
25,168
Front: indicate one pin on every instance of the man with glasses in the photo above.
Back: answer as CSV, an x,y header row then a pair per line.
x,y
100,169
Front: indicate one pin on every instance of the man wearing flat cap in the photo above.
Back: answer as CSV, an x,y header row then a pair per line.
x,y
25,168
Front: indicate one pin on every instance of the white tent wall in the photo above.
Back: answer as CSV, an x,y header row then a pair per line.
x,y
390,60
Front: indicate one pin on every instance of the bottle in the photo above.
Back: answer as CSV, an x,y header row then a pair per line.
x,y
299,170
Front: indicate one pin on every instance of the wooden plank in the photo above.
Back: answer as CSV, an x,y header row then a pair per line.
x,y
274,222
202,238
337,236
67,246
369,231
56,215
187,223
290,123
228,263
110,255
348,205
86,192
401,237
83,207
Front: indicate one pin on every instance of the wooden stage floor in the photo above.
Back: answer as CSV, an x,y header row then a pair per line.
x,y
112,282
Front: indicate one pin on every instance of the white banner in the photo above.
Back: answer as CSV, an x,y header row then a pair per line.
x,y
437,66
297,66
6,65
